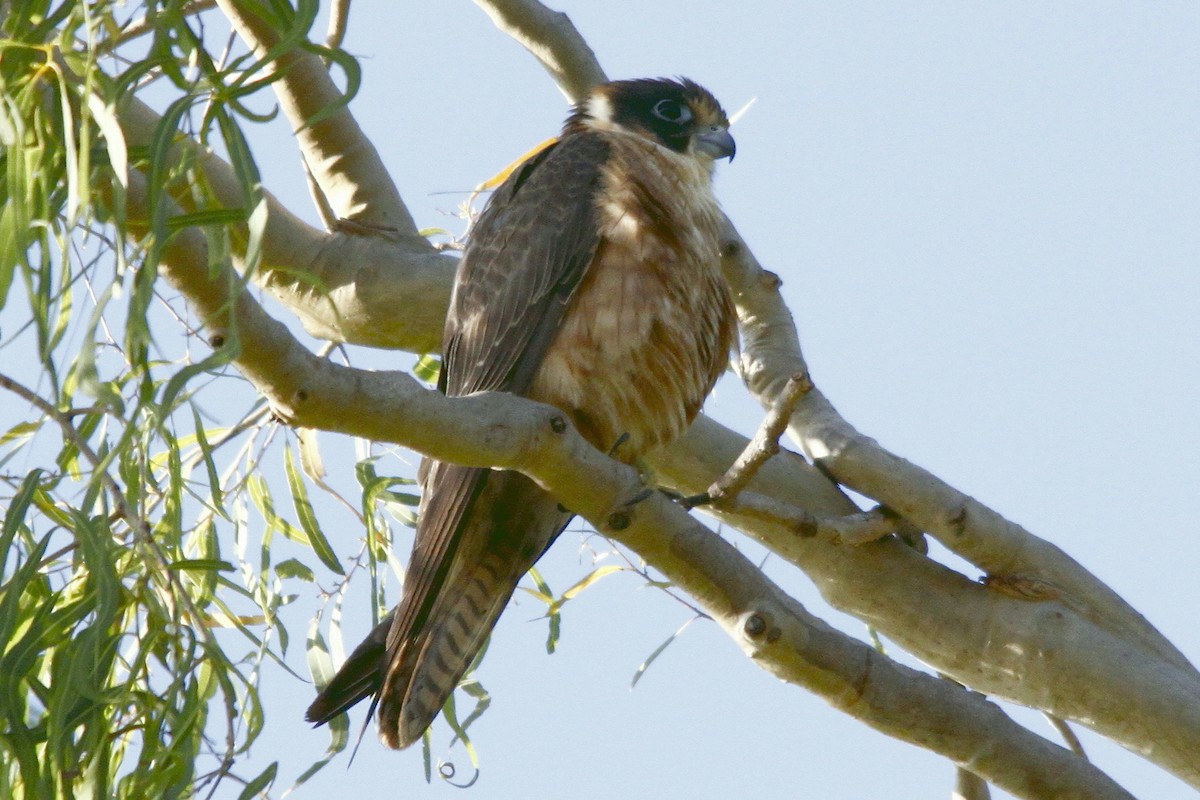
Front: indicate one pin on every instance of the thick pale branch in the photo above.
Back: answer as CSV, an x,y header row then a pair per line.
x,y
784,639
852,529
1091,619
1038,653
552,39
771,354
343,161
504,431
344,288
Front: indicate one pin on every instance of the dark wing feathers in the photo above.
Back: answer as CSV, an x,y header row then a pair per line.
x,y
525,257
357,678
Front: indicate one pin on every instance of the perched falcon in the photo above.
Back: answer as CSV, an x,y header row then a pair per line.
x,y
591,281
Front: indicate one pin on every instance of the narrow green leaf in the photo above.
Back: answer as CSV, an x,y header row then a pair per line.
x,y
536,576
256,228
161,145
590,579
308,519
320,661
207,216
555,631
658,651
105,115
291,568
261,496
427,368
310,455
12,246
474,689
450,714
216,493
70,149
14,515
534,593
201,565
350,67
554,619
260,784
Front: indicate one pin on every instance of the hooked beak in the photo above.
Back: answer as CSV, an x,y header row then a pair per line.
x,y
716,143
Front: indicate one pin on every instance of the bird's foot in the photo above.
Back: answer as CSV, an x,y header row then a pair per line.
x,y
621,440
687,501
643,495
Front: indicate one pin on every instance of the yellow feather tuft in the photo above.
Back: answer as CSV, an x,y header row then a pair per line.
x,y
501,176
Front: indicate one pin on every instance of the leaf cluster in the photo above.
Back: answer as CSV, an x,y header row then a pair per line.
x,y
141,581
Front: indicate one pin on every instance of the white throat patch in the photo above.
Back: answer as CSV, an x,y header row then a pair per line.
x,y
600,112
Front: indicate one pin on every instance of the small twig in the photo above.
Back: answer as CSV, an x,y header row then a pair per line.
x,y
762,447
851,529
1068,735
144,25
320,201
339,12
83,411
727,493
71,434
969,786
664,587
48,561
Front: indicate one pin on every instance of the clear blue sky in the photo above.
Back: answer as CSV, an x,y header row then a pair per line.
x,y
986,219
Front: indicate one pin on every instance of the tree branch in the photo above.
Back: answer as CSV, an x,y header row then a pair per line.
x,y
503,431
969,786
771,354
552,39
1070,598
851,529
146,24
765,443
339,14
343,288
343,161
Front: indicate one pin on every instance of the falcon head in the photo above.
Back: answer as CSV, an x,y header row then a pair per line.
x,y
680,115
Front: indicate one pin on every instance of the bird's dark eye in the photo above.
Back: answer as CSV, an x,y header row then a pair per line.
x,y
671,111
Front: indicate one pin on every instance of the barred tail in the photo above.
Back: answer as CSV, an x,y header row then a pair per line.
x,y
426,672
474,543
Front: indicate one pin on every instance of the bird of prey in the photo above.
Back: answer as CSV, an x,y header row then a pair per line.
x,y
591,281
